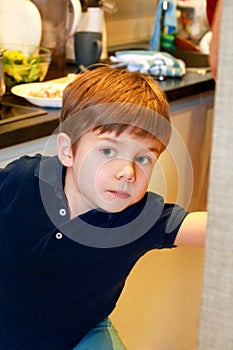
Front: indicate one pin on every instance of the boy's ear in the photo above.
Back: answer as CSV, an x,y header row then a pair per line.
x,y
64,149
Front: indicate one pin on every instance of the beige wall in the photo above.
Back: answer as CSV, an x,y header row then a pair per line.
x,y
133,21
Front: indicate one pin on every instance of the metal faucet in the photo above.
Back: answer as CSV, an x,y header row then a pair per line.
x,y
2,81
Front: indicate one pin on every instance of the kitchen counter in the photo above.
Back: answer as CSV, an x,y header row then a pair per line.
x,y
19,131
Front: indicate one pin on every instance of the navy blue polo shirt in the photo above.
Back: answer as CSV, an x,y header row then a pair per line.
x,y
60,277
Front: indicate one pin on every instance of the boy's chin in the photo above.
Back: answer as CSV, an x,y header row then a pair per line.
x,y
113,208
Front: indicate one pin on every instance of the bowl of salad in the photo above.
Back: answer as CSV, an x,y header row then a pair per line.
x,y
24,63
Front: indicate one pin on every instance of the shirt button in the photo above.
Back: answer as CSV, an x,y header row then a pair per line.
x,y
62,212
59,235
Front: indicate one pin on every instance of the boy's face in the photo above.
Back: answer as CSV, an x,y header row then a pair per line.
x,y
107,172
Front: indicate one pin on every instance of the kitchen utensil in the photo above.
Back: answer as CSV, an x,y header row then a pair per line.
x,y
87,48
24,63
204,44
20,22
92,20
24,90
60,19
184,44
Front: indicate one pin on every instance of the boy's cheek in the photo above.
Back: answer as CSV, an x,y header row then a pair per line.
x,y
144,174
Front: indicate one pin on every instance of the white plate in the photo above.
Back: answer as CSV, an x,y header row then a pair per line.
x,y
20,22
24,90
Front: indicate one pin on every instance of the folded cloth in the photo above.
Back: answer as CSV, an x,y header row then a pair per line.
x,y
151,62
170,21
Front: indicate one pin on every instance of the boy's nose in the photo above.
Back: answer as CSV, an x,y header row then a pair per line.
x,y
126,173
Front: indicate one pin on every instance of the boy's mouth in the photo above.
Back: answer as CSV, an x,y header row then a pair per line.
x,y
120,194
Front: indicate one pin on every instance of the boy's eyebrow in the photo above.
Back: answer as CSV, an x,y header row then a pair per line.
x,y
153,149
116,141
113,140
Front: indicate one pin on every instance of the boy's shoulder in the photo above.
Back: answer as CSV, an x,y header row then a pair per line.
x,y
18,177
22,165
31,169
19,172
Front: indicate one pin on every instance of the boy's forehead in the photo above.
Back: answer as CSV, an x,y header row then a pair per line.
x,y
127,136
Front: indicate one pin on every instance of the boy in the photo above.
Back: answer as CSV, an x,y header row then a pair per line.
x,y
73,226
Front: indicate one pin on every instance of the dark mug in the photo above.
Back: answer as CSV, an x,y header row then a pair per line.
x,y
87,48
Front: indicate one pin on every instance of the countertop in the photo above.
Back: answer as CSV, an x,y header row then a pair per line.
x,y
32,128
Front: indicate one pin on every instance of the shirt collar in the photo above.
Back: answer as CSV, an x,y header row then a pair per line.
x,y
52,172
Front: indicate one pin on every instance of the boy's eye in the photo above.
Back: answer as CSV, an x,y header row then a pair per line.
x,y
108,152
142,160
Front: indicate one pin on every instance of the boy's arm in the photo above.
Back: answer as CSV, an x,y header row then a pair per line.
x,y
193,230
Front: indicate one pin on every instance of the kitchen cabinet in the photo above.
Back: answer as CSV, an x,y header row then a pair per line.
x,y
182,171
